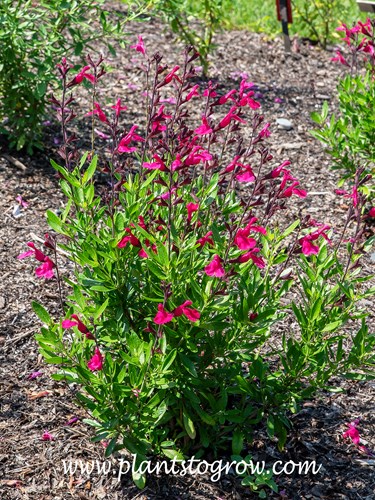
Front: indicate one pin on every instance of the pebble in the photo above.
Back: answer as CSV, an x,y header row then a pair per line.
x,y
284,124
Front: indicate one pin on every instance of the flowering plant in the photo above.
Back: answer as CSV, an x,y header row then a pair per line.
x,y
182,269
349,136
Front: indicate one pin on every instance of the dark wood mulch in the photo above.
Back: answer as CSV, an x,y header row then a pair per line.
x,y
33,469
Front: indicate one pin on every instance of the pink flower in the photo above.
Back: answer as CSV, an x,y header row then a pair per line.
x,y
258,261
96,362
171,76
193,92
68,323
265,132
308,248
46,436
223,99
206,239
158,164
99,112
242,240
215,268
340,58
130,238
81,75
72,421
123,146
191,314
352,432
162,316
204,129
371,212
46,269
191,208
139,46
21,201
118,107
34,375
246,174
290,190
229,117
101,134
158,118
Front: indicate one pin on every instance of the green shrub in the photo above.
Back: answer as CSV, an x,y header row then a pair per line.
x,y
170,327
33,35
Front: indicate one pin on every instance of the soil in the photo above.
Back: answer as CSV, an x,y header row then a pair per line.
x,y
31,468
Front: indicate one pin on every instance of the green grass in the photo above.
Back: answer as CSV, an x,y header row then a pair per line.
x,y
260,15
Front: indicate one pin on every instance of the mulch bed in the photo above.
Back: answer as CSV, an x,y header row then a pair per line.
x,y
33,469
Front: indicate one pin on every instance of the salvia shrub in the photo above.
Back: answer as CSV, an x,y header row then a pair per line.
x,y
185,276
33,35
350,135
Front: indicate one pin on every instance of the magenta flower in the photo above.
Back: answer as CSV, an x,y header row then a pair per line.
x,y
139,46
215,268
246,174
158,119
81,75
96,362
242,240
46,269
308,248
191,208
191,314
229,117
193,92
206,239
265,132
171,76
158,164
258,261
371,212
72,421
118,108
46,436
162,316
99,112
123,146
290,190
352,432
340,58
21,201
204,129
68,323
34,375
130,238
224,98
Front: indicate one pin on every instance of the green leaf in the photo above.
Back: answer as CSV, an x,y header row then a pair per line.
x,y
189,425
332,326
237,442
90,170
41,313
54,221
188,364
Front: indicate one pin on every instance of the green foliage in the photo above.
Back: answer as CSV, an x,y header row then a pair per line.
x,y
33,36
318,19
195,22
350,135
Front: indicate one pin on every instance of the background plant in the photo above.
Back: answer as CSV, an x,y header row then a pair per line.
x,y
32,36
170,324
350,134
